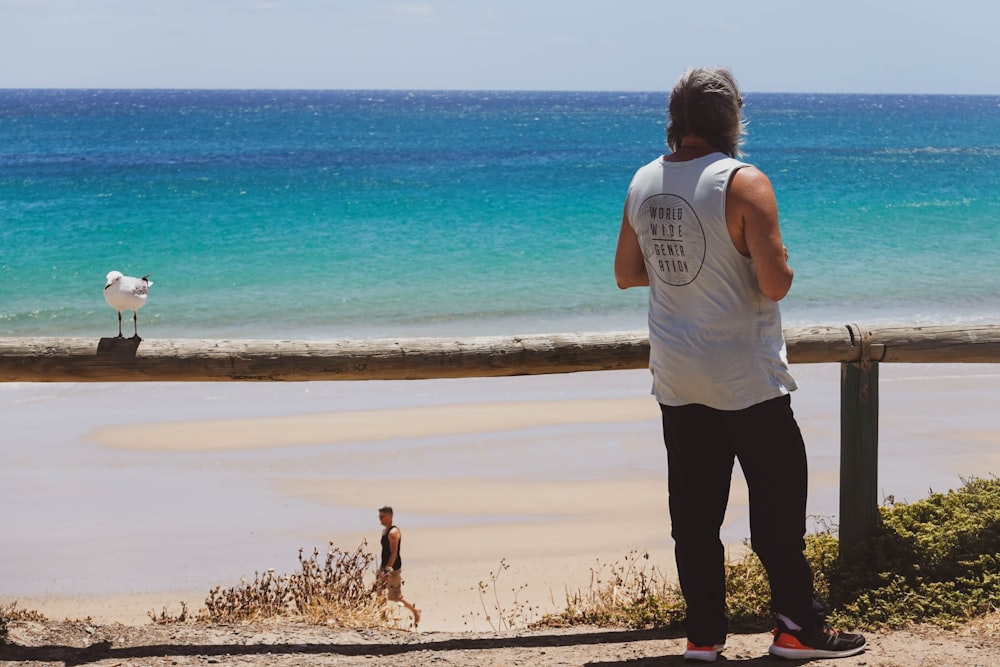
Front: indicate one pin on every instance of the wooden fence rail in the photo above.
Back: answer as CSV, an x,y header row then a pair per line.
x,y
859,352
126,360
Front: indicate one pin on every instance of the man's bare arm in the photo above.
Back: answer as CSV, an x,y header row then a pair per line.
x,y
630,265
752,217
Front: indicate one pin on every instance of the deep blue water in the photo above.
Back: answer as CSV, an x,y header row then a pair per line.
x,y
325,214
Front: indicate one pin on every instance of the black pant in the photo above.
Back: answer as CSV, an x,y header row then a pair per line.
x,y
702,444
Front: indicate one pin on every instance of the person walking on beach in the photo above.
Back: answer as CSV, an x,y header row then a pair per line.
x,y
390,572
700,229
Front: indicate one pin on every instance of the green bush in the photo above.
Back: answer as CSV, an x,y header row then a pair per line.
x,y
935,561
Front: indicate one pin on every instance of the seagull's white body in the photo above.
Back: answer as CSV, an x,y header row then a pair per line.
x,y
126,293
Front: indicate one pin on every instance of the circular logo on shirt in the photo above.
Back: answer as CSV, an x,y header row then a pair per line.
x,y
672,239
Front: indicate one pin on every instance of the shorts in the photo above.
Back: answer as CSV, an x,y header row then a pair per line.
x,y
394,585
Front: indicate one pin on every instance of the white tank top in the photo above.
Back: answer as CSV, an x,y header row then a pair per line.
x,y
714,338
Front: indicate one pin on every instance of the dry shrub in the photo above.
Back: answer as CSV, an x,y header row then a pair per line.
x,y
513,615
166,618
10,615
623,594
336,590
330,591
263,598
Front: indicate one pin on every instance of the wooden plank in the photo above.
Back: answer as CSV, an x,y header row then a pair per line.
x,y
938,344
818,345
84,360
112,360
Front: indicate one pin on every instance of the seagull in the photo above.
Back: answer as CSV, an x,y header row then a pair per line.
x,y
126,293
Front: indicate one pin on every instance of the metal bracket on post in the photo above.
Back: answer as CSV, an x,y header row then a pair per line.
x,y
863,339
866,360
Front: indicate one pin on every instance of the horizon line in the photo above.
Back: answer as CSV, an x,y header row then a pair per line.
x,y
468,90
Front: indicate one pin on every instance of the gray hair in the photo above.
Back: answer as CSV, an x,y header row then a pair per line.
x,y
706,103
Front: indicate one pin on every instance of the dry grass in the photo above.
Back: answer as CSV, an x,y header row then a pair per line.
x,y
333,590
499,615
336,590
628,593
985,626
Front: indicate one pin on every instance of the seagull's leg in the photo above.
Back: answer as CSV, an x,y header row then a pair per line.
x,y
135,324
120,324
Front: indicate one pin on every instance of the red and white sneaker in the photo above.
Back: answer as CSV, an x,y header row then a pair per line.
x,y
703,653
819,642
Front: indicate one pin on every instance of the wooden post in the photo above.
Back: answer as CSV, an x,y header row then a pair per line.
x,y
859,514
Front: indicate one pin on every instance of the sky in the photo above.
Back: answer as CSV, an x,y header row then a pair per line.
x,y
836,46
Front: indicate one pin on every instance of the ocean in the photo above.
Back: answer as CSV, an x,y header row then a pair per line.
x,y
344,214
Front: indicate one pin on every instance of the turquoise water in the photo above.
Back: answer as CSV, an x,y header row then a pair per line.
x,y
326,214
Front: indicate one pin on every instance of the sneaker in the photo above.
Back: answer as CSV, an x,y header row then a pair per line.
x,y
819,642
703,653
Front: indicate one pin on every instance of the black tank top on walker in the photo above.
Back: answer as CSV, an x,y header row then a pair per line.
x,y
386,551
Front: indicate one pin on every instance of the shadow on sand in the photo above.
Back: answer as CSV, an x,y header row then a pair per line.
x,y
71,656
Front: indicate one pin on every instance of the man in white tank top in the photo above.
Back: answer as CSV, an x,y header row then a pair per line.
x,y
700,229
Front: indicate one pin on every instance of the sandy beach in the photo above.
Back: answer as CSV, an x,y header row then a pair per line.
x,y
121,499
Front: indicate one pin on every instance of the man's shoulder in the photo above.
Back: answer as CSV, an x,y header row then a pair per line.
x,y
750,179
652,164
